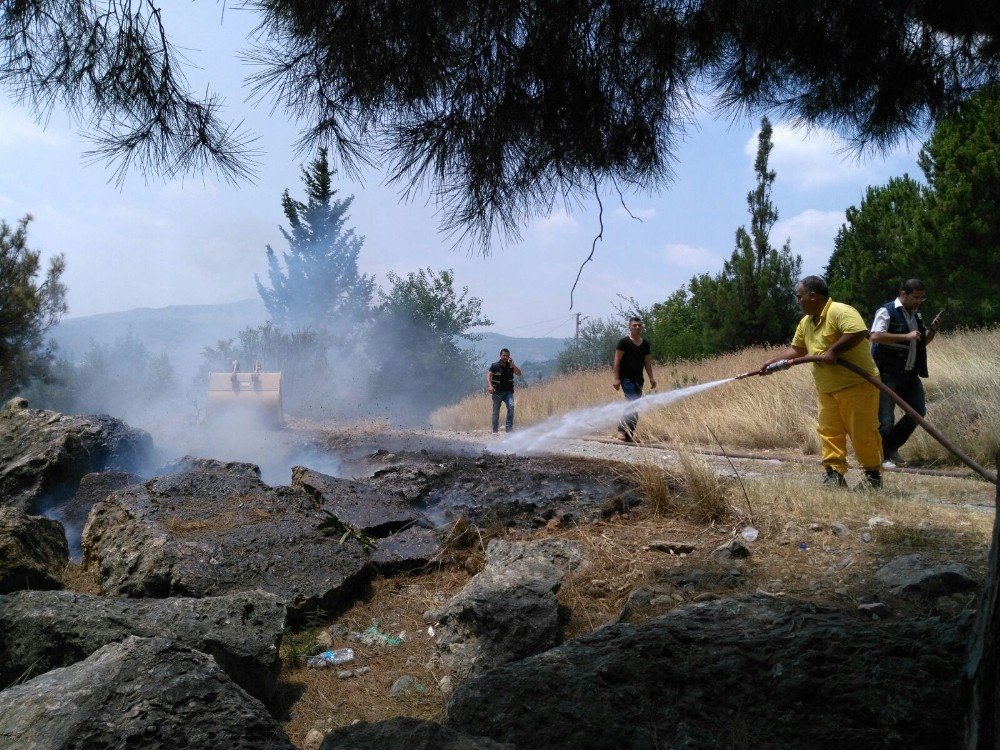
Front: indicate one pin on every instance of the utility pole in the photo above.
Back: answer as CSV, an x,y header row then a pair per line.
x,y
579,318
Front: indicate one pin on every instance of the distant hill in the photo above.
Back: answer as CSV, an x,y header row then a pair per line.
x,y
521,349
183,331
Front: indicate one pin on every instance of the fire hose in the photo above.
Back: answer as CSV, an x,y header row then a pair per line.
x,y
784,364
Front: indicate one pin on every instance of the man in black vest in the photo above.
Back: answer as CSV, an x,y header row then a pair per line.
x,y
899,346
500,383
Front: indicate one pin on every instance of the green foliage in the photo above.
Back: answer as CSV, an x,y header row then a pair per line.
x,y
316,283
594,349
416,360
947,234
675,330
750,302
28,308
962,164
882,244
122,379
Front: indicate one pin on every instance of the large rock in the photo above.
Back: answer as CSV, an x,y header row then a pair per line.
x,y
355,503
44,630
404,733
507,611
148,693
93,488
214,528
910,575
757,672
44,454
33,552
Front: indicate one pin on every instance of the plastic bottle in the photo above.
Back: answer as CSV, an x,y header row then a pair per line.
x,y
331,658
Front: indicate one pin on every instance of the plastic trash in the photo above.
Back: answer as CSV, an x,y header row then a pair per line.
x,y
750,534
331,658
803,546
372,636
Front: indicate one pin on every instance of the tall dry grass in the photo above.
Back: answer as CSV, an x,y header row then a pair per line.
x,y
778,411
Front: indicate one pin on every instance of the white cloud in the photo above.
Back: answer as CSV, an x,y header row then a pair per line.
x,y
811,234
557,222
18,129
691,258
815,157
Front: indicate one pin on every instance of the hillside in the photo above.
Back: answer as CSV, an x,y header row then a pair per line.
x,y
183,331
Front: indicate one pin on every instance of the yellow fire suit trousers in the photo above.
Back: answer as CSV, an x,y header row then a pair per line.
x,y
851,411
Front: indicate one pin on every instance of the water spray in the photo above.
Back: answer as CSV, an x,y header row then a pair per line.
x,y
784,364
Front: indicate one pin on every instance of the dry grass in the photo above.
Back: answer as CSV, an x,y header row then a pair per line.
x,y
777,412
317,698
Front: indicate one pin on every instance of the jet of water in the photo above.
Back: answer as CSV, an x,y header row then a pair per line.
x,y
540,437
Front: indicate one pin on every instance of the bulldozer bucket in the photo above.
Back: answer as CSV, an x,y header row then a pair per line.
x,y
254,396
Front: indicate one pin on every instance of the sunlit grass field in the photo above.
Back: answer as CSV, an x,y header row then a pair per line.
x,y
779,411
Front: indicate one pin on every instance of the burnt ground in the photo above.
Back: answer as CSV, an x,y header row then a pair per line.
x,y
814,551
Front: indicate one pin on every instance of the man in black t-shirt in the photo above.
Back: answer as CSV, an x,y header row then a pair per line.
x,y
500,383
631,358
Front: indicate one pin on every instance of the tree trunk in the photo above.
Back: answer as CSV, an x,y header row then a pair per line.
x,y
982,670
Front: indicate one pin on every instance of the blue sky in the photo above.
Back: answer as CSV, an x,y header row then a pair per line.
x,y
150,243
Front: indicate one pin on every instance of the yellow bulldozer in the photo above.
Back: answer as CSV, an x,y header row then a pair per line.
x,y
252,396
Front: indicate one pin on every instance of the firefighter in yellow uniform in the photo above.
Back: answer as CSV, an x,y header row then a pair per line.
x,y
848,404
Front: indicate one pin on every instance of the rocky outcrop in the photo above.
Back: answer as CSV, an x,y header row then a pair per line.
x,y
93,487
214,528
141,692
33,552
404,733
44,630
44,454
355,503
757,672
910,575
507,611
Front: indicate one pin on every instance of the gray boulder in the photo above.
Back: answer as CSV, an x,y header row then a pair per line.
x,y
404,733
770,672
44,454
355,503
507,611
215,529
910,575
33,552
148,693
93,487
44,630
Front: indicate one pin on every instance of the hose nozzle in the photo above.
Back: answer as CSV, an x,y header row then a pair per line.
x,y
781,364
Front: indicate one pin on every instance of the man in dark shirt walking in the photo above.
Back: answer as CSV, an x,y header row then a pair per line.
x,y
500,383
631,358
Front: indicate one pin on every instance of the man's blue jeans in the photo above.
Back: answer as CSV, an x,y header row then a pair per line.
x,y
908,387
507,397
632,391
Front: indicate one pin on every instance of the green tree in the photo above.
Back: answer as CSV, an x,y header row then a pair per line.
x,y
961,161
122,379
594,349
315,283
675,329
29,306
752,301
882,243
417,362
